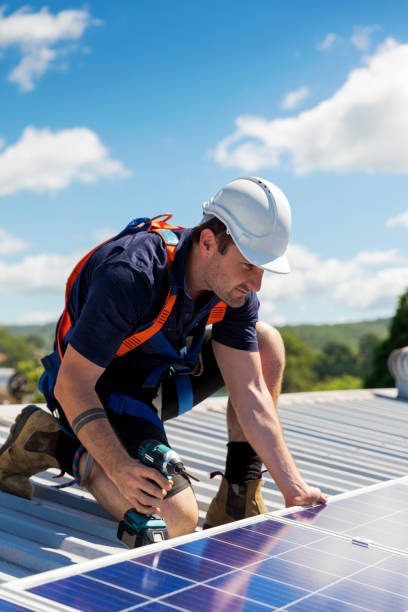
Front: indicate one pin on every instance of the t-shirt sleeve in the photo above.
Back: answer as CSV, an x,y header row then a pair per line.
x,y
238,327
116,299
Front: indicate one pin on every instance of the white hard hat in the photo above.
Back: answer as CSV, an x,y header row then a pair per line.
x,y
257,215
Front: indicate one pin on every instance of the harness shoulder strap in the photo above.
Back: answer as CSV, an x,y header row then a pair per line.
x,y
65,322
217,313
158,225
165,231
140,337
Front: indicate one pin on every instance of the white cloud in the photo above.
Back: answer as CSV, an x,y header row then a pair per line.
x,y
43,161
38,317
103,233
375,258
364,283
294,98
40,38
362,127
361,37
401,219
36,274
328,42
32,66
378,290
10,244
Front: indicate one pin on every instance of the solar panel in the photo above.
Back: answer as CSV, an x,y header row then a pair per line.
x,y
296,562
379,515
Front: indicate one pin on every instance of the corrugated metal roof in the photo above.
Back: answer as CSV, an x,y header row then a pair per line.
x,y
341,441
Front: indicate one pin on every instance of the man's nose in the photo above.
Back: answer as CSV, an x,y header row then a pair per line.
x,y
256,279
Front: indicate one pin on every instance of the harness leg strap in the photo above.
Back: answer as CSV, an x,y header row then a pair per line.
x,y
89,461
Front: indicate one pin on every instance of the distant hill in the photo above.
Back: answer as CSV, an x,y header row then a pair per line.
x,y
316,336
45,331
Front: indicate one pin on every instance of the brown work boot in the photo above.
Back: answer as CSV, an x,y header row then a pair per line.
x,y
29,449
234,502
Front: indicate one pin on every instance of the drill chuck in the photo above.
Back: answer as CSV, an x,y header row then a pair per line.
x,y
157,455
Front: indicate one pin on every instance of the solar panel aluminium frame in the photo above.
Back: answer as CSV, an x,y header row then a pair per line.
x,y
15,591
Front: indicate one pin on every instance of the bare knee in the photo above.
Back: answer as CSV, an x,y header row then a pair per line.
x,y
272,353
271,347
180,513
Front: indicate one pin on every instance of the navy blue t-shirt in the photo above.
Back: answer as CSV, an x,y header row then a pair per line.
x,y
123,286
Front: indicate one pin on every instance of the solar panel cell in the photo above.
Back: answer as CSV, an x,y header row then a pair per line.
x,y
184,564
383,579
210,548
213,599
82,593
291,533
157,606
371,598
258,588
285,571
401,517
323,561
139,579
256,541
6,606
395,564
323,517
319,603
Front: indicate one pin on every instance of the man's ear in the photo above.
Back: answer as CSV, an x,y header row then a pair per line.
x,y
208,242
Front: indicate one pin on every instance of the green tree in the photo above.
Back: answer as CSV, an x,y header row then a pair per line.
x,y
32,369
365,356
14,348
334,360
398,337
299,374
338,383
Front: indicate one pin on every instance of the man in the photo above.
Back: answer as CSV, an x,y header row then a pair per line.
x,y
132,358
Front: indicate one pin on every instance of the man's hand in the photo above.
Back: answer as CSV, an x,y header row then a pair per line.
x,y
144,487
305,496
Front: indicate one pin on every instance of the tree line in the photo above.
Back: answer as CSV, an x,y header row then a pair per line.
x,y
337,366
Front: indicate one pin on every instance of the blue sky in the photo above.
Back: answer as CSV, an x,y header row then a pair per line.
x,y
112,111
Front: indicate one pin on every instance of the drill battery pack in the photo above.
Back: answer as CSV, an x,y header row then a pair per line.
x,y
136,529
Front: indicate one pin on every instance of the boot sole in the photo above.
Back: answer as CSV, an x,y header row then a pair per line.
x,y
18,425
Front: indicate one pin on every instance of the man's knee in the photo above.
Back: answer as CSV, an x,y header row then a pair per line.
x,y
270,343
180,512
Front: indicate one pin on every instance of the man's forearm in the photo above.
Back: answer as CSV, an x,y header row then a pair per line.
x,y
260,423
95,434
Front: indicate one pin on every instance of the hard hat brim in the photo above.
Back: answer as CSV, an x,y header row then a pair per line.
x,y
280,265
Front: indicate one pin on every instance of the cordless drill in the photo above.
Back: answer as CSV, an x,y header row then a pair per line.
x,y
136,529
